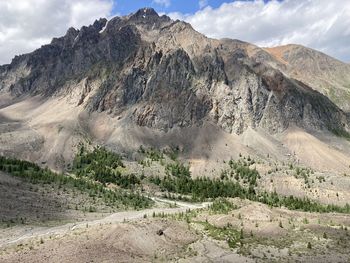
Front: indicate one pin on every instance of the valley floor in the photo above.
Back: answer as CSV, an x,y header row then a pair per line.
x,y
108,208
242,232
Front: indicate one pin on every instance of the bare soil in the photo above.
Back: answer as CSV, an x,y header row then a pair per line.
x,y
23,203
269,235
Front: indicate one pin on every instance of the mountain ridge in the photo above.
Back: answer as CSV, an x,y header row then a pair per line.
x,y
76,42
323,73
146,70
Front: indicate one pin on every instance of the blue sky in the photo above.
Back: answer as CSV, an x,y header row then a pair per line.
x,y
125,7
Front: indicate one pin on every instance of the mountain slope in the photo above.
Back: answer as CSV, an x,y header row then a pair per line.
x,y
321,72
148,73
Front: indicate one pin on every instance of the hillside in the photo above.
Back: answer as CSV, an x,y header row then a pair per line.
x,y
124,81
323,73
139,139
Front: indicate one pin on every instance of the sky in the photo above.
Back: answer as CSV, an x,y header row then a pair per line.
x,y
324,25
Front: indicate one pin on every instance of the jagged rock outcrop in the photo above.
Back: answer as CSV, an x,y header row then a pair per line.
x,y
162,74
321,72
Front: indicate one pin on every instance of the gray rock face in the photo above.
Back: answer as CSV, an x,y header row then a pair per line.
x,y
323,73
162,74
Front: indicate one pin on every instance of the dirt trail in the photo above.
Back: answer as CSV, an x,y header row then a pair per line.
x,y
37,232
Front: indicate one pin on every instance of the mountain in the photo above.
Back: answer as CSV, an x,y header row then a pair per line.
x,y
321,72
146,79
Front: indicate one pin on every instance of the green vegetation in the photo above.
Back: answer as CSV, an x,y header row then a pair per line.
x,y
178,170
99,167
178,180
35,174
221,206
303,173
200,188
176,197
99,155
183,216
231,235
309,245
241,170
341,133
321,179
228,233
102,165
153,154
173,152
203,188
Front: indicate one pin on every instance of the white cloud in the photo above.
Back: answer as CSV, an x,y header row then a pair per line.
x,y
320,24
27,24
165,3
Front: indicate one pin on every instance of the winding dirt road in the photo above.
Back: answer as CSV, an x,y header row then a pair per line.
x,y
38,232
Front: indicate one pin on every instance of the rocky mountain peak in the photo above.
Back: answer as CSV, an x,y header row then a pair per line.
x,y
100,24
145,13
147,16
159,73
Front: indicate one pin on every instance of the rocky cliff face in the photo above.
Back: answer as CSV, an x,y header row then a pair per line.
x,y
162,74
323,73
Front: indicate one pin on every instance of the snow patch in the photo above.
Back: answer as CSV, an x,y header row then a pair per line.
x,y
104,28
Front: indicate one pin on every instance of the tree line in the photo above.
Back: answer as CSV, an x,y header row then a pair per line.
x,y
102,165
33,173
179,181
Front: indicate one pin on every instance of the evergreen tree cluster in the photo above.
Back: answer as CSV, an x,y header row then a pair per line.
x,y
177,169
158,155
203,188
35,174
102,165
151,155
341,133
241,170
303,173
200,188
154,155
295,203
99,155
222,206
227,233
172,152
